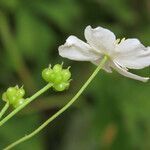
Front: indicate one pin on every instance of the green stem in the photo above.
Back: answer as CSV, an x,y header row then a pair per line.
x,y
4,109
27,137
28,100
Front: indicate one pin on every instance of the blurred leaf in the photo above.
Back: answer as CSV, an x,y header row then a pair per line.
x,y
34,37
121,10
16,128
10,5
62,13
79,135
126,100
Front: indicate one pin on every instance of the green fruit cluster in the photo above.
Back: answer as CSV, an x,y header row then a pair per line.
x,y
14,96
59,77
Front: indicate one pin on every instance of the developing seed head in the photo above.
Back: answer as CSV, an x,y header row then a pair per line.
x,y
61,87
20,92
4,97
57,68
46,73
13,95
66,74
19,102
59,77
11,92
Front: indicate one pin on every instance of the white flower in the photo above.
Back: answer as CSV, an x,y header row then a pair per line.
x,y
122,54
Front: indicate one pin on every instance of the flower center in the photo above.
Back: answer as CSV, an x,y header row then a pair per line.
x,y
118,41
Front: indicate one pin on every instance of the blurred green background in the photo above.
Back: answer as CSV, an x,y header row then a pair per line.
x,y
112,114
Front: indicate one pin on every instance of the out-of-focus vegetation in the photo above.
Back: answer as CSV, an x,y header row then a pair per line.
x,y
112,114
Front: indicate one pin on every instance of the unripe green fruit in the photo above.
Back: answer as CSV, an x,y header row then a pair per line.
x,y
67,85
13,99
14,95
20,93
58,78
52,77
4,97
57,68
11,91
46,74
61,87
66,74
19,102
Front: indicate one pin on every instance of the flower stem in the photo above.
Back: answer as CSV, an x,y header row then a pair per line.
x,y
28,100
4,109
27,137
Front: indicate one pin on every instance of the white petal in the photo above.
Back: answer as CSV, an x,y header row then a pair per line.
x,y
132,54
76,49
106,66
100,38
125,73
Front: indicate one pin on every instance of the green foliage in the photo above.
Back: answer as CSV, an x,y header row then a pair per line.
x,y
115,114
